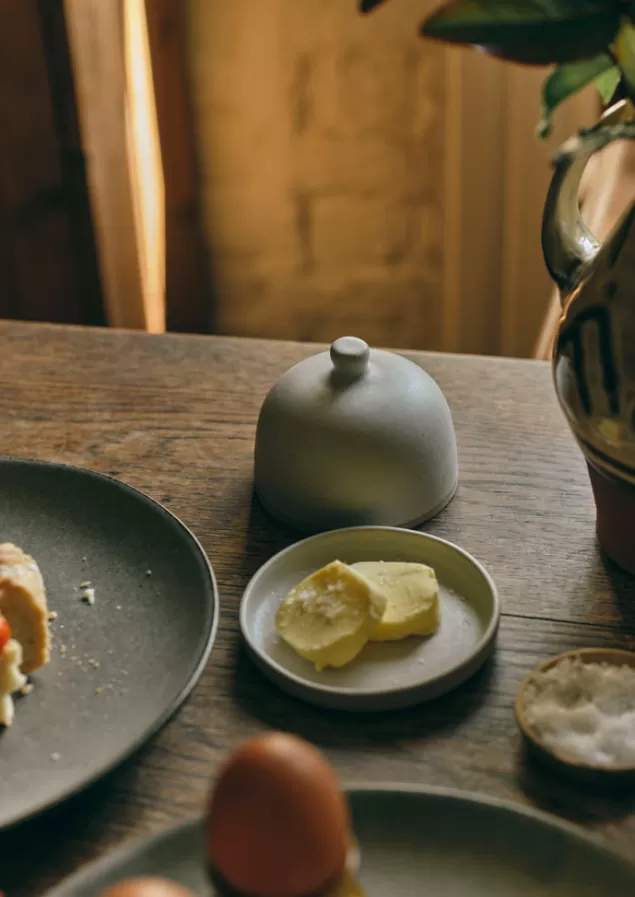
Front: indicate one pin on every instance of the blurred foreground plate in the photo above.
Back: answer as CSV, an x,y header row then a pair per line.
x,y
413,841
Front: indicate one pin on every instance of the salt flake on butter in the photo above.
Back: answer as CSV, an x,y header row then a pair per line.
x,y
329,616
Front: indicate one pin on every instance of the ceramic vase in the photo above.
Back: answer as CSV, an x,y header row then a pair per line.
x,y
594,348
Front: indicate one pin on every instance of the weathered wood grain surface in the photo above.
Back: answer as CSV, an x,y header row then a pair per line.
x,y
175,416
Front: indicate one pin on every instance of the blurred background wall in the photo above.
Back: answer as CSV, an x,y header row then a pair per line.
x,y
275,168
322,147
355,178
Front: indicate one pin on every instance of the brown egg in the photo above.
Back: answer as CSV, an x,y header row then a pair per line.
x,y
147,887
278,823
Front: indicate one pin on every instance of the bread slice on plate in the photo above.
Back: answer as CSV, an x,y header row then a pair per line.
x,y
23,604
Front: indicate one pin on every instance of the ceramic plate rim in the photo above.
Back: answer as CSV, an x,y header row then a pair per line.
x,y
213,608
486,639
129,848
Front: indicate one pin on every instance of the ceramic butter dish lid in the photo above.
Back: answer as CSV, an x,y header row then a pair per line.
x,y
355,437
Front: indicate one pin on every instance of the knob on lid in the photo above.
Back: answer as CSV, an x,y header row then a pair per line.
x,y
355,436
350,356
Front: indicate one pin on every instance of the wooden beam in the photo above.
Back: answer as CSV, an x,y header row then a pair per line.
x,y
188,293
48,268
474,139
96,33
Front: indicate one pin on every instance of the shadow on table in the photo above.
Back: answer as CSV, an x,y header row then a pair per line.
x,y
342,728
265,537
581,803
622,586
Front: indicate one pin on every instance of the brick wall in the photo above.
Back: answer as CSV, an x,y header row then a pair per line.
x,y
320,137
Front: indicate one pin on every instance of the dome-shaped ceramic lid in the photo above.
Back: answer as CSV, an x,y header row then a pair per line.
x,y
355,437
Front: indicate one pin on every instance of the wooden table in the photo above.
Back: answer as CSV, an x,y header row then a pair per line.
x,y
175,416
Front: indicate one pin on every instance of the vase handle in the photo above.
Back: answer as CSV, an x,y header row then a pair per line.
x,y
567,243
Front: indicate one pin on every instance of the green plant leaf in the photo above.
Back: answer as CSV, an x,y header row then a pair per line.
x,y
369,5
566,80
607,83
536,32
624,49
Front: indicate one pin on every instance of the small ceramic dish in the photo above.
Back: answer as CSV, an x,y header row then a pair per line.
x,y
607,776
385,675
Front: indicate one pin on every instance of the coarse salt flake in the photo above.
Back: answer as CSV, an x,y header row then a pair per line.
x,y
584,711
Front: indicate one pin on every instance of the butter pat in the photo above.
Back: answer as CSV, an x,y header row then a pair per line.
x,y
412,595
330,615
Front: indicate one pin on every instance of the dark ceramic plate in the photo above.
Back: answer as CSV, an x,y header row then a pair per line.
x,y
119,668
413,841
